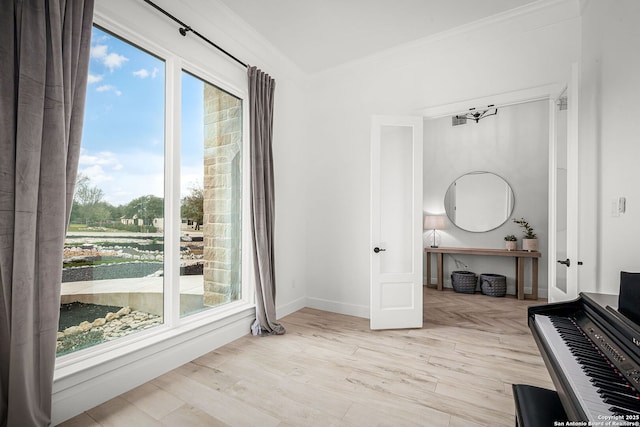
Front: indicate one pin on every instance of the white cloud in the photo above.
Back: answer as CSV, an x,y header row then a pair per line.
x,y
142,73
190,178
93,79
110,60
102,158
109,88
122,176
96,174
113,61
98,51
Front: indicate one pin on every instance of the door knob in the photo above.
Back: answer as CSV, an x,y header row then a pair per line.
x,y
566,262
377,249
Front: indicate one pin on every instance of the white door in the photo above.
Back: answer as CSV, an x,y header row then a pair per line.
x,y
396,222
563,266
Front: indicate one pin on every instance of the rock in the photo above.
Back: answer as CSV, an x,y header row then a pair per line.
x,y
145,324
123,311
140,316
72,330
85,326
60,335
99,322
110,316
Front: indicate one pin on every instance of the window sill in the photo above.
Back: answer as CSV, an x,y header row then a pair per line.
x,y
90,377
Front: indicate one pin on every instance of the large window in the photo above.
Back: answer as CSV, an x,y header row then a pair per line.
x,y
117,273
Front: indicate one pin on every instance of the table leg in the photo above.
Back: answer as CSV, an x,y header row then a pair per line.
x,y
520,278
440,275
516,274
534,278
428,256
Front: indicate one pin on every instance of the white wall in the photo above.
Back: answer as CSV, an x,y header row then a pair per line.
x,y
609,148
517,53
513,144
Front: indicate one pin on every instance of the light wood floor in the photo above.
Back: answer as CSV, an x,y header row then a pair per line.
x,y
331,370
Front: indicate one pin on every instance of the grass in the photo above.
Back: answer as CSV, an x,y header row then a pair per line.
x,y
72,343
77,227
103,262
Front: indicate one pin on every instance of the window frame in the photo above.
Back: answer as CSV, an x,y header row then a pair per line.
x,y
173,325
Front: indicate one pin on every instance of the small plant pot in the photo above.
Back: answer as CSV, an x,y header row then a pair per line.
x,y
530,245
511,245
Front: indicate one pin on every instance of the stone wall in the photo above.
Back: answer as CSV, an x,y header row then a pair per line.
x,y
222,195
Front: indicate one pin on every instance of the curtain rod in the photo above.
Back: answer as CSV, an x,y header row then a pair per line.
x,y
184,29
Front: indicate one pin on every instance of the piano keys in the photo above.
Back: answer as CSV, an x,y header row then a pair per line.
x,y
592,353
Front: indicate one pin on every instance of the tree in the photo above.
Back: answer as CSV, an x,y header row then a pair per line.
x,y
193,205
146,208
88,206
86,195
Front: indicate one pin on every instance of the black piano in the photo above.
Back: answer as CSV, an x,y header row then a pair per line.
x,y
592,352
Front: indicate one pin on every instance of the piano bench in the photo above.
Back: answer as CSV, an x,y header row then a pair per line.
x,y
537,407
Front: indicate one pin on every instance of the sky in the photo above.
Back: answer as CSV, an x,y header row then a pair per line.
x,y
123,138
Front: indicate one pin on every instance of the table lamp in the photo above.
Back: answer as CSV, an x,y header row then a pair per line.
x,y
434,222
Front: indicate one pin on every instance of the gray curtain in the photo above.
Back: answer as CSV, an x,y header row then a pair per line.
x,y
261,90
44,54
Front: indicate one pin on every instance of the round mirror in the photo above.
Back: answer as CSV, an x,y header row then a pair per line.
x,y
479,201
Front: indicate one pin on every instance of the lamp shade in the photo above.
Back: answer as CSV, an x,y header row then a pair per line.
x,y
434,222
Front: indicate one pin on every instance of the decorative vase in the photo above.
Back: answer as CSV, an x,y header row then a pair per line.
x,y
530,245
511,245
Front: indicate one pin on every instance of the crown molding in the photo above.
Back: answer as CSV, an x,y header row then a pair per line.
x,y
561,10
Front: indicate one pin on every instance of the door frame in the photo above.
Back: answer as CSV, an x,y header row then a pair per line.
x,y
540,93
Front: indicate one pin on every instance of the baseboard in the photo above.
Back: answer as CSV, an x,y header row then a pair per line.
x,y
338,307
292,307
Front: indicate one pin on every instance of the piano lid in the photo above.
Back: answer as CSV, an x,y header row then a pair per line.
x,y
603,300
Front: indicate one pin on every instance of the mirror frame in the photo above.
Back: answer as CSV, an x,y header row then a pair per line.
x,y
447,196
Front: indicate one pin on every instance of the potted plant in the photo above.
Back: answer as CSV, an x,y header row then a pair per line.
x,y
530,240
511,242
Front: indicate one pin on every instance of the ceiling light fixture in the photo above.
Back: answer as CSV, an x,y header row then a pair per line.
x,y
474,115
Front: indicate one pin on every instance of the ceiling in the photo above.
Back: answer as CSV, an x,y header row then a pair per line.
x,y
321,34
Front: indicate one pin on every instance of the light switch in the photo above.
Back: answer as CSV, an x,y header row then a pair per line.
x,y
618,206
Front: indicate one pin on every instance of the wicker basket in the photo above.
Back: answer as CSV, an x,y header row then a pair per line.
x,y
494,285
464,281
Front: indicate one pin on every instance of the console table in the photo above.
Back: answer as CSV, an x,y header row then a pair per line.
x,y
520,257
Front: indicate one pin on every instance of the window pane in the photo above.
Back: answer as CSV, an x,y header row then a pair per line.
x,y
211,196
112,272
